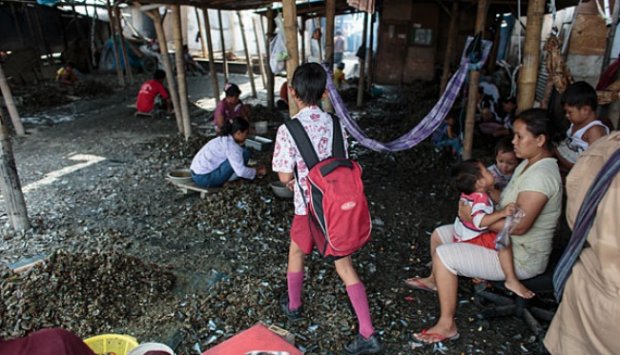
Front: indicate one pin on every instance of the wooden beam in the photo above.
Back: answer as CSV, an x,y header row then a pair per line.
x,y
330,16
117,60
10,103
10,187
452,34
180,61
528,74
203,44
268,37
370,58
248,60
223,43
261,61
165,58
214,82
290,30
474,80
303,39
119,27
360,85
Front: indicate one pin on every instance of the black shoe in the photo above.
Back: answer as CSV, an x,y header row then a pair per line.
x,y
291,315
359,345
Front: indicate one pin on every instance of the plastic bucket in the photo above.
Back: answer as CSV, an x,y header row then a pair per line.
x,y
118,344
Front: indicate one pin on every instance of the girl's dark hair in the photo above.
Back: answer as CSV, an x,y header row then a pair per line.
x,y
309,83
504,145
580,94
465,175
537,123
232,90
234,125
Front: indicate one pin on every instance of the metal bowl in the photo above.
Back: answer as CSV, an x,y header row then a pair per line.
x,y
180,176
280,190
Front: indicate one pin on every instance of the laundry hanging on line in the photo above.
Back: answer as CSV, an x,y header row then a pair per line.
x,y
428,124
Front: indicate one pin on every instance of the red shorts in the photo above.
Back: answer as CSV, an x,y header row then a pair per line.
x,y
300,233
486,240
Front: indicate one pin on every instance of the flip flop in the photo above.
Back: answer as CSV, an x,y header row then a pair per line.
x,y
416,284
436,337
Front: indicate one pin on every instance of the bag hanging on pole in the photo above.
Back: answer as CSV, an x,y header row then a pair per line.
x,y
338,211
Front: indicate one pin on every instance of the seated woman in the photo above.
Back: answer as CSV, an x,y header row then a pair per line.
x,y
231,106
223,159
536,188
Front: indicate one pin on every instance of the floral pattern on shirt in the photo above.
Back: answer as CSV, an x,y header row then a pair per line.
x,y
286,157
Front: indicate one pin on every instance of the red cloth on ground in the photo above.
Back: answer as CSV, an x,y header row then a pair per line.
x,y
46,342
148,92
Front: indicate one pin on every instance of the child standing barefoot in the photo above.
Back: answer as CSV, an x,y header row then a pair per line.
x,y
474,181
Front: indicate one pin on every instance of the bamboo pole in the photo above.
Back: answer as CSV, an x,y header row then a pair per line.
x,y
370,59
10,187
165,58
119,27
117,60
531,55
303,39
474,80
33,35
180,61
290,30
214,82
330,16
360,84
224,60
452,33
261,61
248,60
18,27
203,44
10,104
270,77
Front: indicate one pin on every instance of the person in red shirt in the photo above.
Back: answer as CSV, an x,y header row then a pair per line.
x,y
153,94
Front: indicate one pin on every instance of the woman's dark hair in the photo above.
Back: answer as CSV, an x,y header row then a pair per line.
x,y
309,83
504,145
234,125
580,94
232,90
465,175
537,123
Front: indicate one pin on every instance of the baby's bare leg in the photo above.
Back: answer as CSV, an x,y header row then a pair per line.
x,y
512,282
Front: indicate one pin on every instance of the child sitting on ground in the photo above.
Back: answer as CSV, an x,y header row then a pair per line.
x,y
339,75
231,106
474,182
446,136
580,102
505,163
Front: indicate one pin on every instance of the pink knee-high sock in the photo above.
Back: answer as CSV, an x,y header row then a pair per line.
x,y
295,283
357,295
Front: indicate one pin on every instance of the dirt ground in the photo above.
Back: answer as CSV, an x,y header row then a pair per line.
x,y
95,184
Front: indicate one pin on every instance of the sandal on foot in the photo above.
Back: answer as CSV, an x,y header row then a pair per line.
x,y
416,284
436,337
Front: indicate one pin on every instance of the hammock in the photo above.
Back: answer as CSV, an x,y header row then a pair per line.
x,y
430,122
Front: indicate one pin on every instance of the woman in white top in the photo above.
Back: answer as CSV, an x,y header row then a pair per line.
x,y
223,159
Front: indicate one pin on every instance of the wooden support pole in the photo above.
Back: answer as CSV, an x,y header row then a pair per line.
x,y
203,44
117,60
360,84
165,58
270,77
214,82
330,16
33,36
119,27
611,35
248,60
452,34
290,30
302,32
180,61
10,104
474,80
223,44
370,59
531,55
10,187
261,61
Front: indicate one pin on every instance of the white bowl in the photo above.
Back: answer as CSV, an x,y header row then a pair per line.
x,y
180,176
280,190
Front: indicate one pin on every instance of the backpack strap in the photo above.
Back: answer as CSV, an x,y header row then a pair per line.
x,y
304,145
338,150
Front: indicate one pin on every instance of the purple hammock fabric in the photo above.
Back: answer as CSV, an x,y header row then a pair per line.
x,y
426,127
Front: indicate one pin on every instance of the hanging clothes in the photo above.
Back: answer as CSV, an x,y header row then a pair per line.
x,y
428,124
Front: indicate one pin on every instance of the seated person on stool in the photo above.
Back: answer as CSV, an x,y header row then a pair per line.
x,y
153,95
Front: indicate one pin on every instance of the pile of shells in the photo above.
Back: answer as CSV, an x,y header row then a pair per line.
x,y
87,293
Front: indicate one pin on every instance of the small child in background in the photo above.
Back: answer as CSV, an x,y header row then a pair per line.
x,y
505,163
580,103
446,136
474,182
339,75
